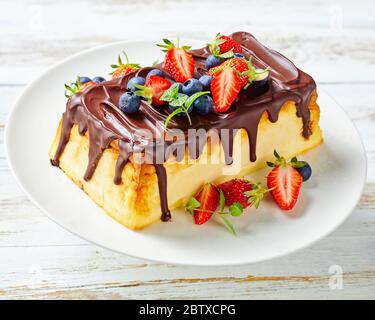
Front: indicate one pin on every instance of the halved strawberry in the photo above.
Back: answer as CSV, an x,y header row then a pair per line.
x,y
178,62
209,199
285,182
153,89
225,87
242,191
123,69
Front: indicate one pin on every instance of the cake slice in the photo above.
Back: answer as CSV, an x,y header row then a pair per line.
x,y
104,152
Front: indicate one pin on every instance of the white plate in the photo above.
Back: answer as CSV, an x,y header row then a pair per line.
x,y
326,200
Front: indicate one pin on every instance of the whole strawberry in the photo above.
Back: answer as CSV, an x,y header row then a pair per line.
x,y
123,69
179,63
242,191
224,46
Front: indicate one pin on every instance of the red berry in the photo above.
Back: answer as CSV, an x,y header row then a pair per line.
x,y
123,69
240,65
178,62
229,44
233,191
209,199
285,182
157,85
225,87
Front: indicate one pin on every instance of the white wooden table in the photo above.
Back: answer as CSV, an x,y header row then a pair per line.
x,y
332,40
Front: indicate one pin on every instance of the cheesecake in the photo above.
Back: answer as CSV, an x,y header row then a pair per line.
x,y
139,166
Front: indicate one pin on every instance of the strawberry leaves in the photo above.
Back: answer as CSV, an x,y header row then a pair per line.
x,y
281,161
73,88
167,45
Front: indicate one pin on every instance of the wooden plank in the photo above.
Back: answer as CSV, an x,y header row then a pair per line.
x,y
323,38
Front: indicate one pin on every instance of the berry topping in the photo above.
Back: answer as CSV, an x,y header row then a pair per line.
x,y
123,69
178,62
241,66
213,61
191,86
129,102
204,105
208,198
224,46
136,80
285,181
305,171
98,79
225,87
243,192
206,81
155,72
77,86
260,77
83,80
153,89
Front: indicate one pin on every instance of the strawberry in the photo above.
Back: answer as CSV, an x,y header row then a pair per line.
x,y
285,181
243,192
225,87
229,44
209,200
241,66
178,62
153,89
224,46
123,69
83,86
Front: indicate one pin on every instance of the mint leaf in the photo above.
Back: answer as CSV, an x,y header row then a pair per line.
x,y
222,200
171,115
194,97
179,101
170,94
236,209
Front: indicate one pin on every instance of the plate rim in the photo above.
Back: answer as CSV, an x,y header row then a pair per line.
x,y
49,69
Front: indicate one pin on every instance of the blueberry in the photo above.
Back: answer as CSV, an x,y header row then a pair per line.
x,y
238,55
98,79
261,78
305,171
179,86
129,102
204,104
136,80
212,61
205,81
155,72
83,80
191,86
173,108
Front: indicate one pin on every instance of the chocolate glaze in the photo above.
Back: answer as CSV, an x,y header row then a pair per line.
x,y
96,110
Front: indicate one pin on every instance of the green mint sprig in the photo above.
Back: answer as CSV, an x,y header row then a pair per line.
x,y
235,210
73,88
182,102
